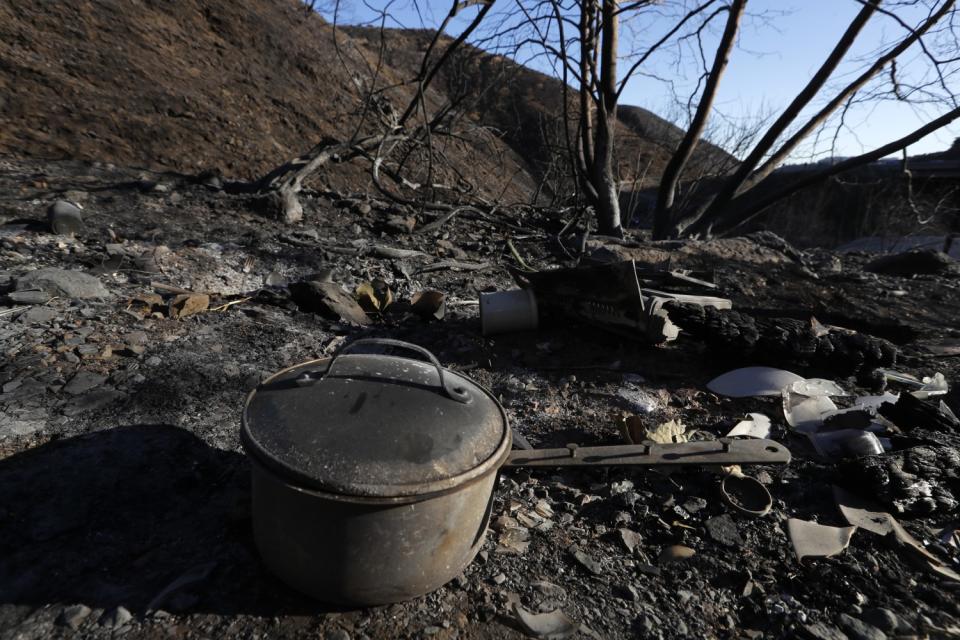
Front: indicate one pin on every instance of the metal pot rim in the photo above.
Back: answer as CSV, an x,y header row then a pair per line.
x,y
407,493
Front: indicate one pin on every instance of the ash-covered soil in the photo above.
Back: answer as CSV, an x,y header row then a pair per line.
x,y
125,507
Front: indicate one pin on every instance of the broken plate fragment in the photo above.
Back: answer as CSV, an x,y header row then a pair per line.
x,y
861,513
756,426
752,381
553,624
813,387
814,540
805,413
874,402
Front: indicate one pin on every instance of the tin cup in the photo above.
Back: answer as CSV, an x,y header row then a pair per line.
x,y
506,311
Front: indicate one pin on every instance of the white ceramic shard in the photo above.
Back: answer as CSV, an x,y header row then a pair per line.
x,y
935,385
752,381
874,402
813,540
804,413
756,426
817,387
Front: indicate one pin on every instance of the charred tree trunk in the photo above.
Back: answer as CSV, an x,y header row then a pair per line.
x,y
604,176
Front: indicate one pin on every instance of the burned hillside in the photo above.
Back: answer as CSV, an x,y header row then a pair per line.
x,y
435,402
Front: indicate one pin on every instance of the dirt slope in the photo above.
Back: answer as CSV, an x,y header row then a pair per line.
x,y
239,86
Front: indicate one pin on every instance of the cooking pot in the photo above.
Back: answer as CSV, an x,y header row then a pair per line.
x,y
373,474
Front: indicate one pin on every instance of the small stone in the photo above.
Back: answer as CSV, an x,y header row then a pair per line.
x,y
93,400
881,618
131,350
12,385
694,504
630,539
154,361
623,486
858,629
499,578
83,381
38,315
116,617
29,297
627,592
73,616
60,282
588,563
676,552
137,337
65,219
820,631
402,224
549,589
723,529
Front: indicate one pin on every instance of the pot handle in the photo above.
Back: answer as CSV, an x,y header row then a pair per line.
x,y
453,391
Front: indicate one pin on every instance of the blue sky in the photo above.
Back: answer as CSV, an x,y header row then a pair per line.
x,y
781,44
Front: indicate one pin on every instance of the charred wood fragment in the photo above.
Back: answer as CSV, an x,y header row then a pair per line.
x,y
782,340
909,413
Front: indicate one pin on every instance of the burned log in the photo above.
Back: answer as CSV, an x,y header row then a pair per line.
x,y
782,341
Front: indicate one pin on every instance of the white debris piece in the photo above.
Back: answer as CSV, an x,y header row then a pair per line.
x,y
756,426
805,413
752,381
813,387
935,385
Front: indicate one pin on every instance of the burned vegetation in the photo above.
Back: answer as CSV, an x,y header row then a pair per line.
x,y
315,330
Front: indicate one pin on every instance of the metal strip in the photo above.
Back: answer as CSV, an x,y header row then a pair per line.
x,y
722,452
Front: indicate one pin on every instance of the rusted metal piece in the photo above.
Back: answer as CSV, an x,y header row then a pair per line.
x,y
720,452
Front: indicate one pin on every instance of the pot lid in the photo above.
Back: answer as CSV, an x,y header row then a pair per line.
x,y
375,425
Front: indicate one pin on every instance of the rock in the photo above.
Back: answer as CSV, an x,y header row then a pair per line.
x,y
83,381
29,297
723,529
65,218
73,616
402,224
76,196
858,629
93,400
882,619
60,282
676,552
329,300
630,539
38,315
549,589
188,304
820,631
116,617
588,563
336,634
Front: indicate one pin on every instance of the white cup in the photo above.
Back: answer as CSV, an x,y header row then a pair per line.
x,y
506,311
